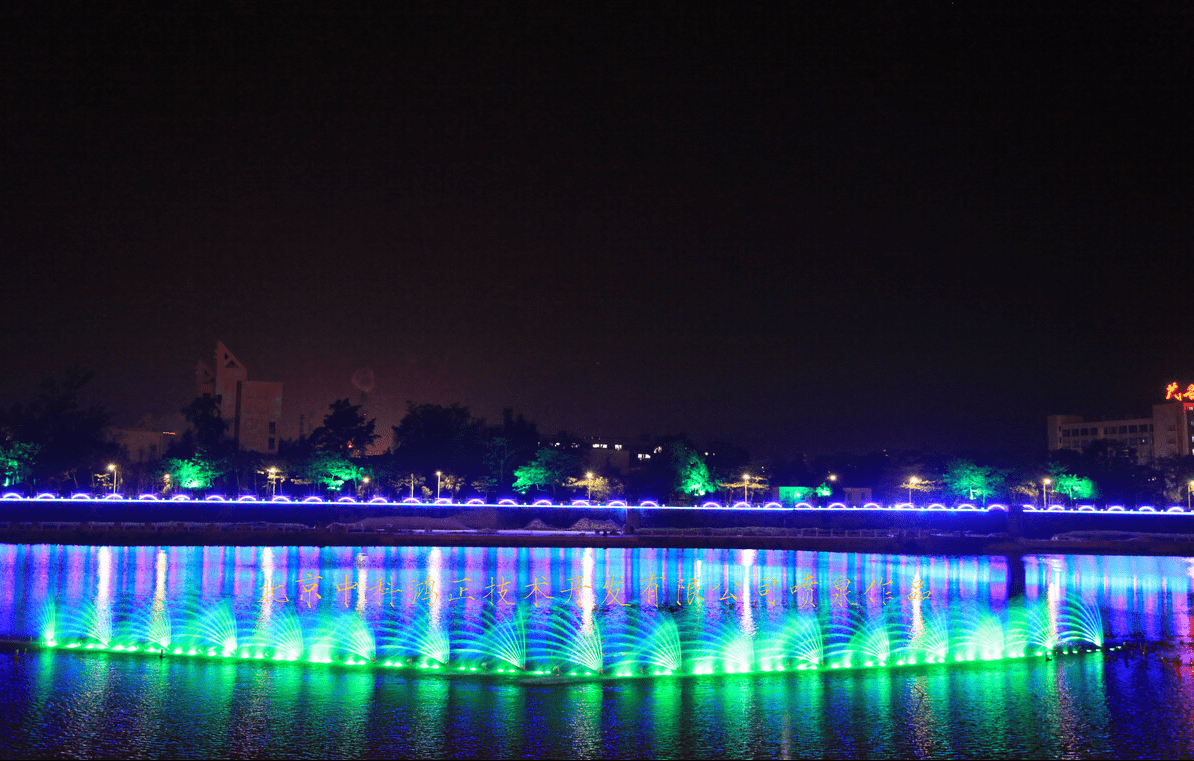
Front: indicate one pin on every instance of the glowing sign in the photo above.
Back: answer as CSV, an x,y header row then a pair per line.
x,y
1172,392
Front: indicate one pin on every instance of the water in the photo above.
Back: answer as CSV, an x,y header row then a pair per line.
x,y
620,620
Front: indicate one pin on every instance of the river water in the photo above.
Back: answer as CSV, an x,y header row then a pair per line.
x,y
387,639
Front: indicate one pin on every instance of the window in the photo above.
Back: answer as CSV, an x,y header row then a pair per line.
x,y
1132,429
1123,429
273,427
271,444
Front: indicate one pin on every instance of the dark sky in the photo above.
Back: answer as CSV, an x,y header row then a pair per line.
x,y
797,233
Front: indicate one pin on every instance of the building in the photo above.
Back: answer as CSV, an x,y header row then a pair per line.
x,y
251,408
1169,432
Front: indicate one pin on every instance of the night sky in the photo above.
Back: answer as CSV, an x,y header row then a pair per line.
x,y
795,233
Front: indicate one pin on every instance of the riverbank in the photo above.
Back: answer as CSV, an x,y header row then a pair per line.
x,y
759,538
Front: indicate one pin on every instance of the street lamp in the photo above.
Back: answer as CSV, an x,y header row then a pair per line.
x,y
365,489
273,482
438,480
1189,486
912,482
1045,493
746,488
112,467
589,493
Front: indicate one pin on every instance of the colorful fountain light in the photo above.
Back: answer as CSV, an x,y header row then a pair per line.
x,y
522,641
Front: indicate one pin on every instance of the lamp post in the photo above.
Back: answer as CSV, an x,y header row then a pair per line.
x,y
1189,486
1045,493
412,485
912,482
112,467
746,488
273,482
438,480
365,488
589,493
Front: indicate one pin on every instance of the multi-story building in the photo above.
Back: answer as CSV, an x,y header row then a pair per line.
x,y
1168,432
251,408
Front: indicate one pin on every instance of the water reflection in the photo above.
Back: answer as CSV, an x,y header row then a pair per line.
x,y
729,603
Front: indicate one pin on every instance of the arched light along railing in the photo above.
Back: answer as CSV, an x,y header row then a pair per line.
x,y
246,498
872,506
475,501
313,500
507,503
773,505
215,498
1146,509
966,506
412,501
347,499
1087,509
712,506
541,503
82,497
997,506
616,503
937,506
181,498
379,501
648,503
280,498
1116,509
149,497
837,505
803,506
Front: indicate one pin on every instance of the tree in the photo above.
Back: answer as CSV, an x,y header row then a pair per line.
x,y
967,480
595,487
69,436
546,472
192,473
432,437
203,413
408,484
332,469
1074,487
344,430
16,462
691,475
748,487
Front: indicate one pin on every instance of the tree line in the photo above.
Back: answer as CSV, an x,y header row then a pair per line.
x,y
57,443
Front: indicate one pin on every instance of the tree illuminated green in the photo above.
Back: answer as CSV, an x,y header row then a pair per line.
x,y
967,480
1074,487
190,474
692,475
16,461
546,472
332,470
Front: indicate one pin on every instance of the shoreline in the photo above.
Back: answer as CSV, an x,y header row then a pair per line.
x,y
881,542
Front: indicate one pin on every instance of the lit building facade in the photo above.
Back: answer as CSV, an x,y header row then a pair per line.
x,y
251,408
1169,432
